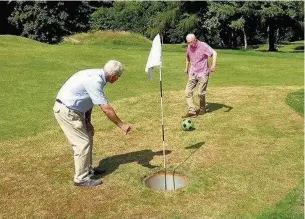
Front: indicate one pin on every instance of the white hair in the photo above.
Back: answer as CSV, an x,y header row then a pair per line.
x,y
113,67
190,37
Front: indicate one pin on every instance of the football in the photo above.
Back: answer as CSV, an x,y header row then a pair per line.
x,y
187,125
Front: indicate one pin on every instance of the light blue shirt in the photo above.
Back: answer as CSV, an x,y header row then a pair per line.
x,y
83,90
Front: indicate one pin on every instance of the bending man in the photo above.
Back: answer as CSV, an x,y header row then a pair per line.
x,y
72,110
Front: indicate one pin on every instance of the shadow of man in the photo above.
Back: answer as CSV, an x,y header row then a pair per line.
x,y
217,106
110,164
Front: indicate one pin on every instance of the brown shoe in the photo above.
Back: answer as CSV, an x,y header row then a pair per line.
x,y
190,114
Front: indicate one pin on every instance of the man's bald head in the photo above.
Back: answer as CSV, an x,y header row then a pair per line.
x,y
190,37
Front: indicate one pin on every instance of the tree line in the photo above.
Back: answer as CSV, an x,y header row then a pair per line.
x,y
226,24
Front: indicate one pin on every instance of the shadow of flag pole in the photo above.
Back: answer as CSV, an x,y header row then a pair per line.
x,y
155,59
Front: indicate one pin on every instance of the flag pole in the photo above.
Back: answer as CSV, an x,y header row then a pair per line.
x,y
162,119
155,59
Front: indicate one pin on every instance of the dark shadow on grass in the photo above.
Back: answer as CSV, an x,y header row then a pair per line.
x,y
299,48
196,146
211,107
110,164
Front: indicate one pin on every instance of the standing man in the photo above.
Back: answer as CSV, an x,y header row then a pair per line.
x,y
72,110
198,71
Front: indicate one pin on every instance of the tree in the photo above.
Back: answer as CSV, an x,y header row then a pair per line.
x,y
175,20
277,15
227,21
6,9
49,21
218,23
164,19
223,23
230,24
240,25
128,16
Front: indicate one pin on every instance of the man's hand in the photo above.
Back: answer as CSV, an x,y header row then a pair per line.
x,y
213,68
126,128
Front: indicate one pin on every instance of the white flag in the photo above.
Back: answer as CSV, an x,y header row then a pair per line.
x,y
154,58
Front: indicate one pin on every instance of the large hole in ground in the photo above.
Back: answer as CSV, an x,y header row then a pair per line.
x,y
166,181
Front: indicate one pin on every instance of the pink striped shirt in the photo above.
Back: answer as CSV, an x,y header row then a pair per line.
x,y
198,57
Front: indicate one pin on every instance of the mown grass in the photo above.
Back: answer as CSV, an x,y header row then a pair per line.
x,y
107,37
292,206
251,159
242,167
41,69
290,47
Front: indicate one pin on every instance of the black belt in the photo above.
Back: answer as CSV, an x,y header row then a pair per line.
x,y
59,101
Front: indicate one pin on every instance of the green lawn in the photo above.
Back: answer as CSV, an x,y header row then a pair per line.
x,y
292,206
290,47
250,166
33,72
296,101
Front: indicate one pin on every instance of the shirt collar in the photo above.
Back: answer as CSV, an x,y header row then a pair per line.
x,y
196,45
102,74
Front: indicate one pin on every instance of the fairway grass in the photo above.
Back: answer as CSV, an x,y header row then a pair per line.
x,y
107,37
296,101
244,159
250,157
32,73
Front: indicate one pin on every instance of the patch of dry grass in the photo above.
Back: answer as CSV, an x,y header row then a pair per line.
x,y
251,155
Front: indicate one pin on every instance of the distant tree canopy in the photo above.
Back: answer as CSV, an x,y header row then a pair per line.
x,y
148,18
5,11
49,21
225,24
229,24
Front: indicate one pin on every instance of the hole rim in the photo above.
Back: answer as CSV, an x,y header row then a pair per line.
x,y
184,178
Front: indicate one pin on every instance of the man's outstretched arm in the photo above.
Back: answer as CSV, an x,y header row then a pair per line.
x,y
112,116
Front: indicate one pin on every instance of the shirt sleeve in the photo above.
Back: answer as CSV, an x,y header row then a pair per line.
x,y
207,50
95,90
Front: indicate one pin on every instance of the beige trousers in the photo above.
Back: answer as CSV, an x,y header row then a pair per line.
x,y
192,82
74,127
